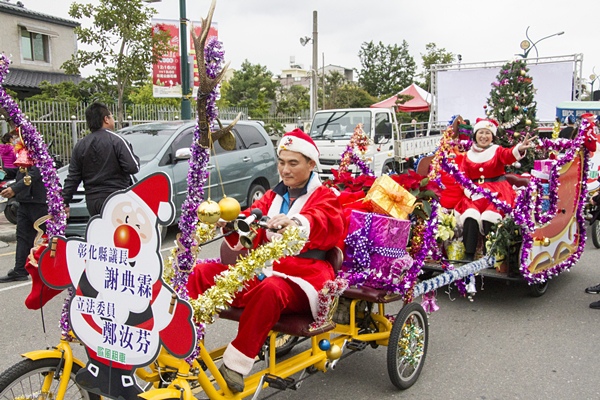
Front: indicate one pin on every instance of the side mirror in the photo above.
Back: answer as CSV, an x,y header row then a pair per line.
x,y
183,154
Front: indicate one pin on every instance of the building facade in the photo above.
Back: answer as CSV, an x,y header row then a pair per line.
x,y
37,44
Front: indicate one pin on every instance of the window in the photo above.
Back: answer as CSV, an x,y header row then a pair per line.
x,y
34,46
251,136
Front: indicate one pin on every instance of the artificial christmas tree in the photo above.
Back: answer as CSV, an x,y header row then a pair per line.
x,y
511,103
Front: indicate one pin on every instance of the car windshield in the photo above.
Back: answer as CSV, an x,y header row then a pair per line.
x,y
146,142
338,124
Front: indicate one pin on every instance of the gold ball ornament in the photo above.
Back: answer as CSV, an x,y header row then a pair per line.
x,y
527,122
523,72
546,242
230,208
517,134
209,212
334,352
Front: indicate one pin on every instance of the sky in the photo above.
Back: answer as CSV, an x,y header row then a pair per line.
x,y
267,32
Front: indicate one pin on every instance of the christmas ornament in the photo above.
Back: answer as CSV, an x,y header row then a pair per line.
x,y
324,345
546,242
517,135
209,212
516,108
230,208
523,72
334,352
527,122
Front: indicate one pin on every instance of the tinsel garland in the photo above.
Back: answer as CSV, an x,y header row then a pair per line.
x,y
412,343
331,290
468,184
231,281
38,151
452,275
526,214
355,151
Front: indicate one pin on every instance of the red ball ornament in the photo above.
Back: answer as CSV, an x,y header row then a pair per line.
x,y
516,108
126,237
485,106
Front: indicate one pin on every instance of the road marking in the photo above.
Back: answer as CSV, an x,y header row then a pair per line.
x,y
8,254
15,286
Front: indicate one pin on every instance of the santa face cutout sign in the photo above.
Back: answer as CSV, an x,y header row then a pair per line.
x,y
122,309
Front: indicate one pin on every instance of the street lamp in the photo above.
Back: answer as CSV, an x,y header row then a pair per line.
x,y
526,45
593,78
313,73
186,107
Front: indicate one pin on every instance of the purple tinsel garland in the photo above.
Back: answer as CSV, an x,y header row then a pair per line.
x,y
38,151
197,176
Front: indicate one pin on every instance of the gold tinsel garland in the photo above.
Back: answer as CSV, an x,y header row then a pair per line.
x,y
231,281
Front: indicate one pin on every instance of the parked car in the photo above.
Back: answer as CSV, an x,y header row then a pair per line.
x,y
245,173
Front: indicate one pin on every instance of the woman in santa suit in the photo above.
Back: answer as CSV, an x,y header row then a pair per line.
x,y
484,164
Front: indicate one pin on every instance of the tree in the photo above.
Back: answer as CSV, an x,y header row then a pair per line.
x,y
252,87
333,82
433,56
385,69
512,104
144,95
293,100
121,31
352,96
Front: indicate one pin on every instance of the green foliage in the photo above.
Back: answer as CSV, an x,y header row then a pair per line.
x,y
143,95
385,69
121,31
293,100
433,56
504,241
252,87
275,127
512,104
222,101
352,96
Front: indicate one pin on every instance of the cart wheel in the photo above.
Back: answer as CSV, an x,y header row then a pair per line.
x,y
407,346
596,234
283,345
538,289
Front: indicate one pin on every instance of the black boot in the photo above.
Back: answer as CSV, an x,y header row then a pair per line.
x,y
103,380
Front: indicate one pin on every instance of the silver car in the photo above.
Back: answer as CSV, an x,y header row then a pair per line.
x,y
245,173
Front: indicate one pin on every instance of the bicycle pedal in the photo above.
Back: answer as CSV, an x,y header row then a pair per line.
x,y
356,345
280,383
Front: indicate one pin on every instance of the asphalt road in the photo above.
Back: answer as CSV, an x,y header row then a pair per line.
x,y
503,345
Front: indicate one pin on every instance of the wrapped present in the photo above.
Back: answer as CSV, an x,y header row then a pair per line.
x,y
542,168
375,252
388,197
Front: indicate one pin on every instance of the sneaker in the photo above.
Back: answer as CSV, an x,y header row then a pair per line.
x,y
595,305
593,289
234,380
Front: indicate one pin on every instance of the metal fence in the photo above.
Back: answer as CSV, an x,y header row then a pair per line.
x,y
61,124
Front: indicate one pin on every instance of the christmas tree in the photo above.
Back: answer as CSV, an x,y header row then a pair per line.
x,y
512,104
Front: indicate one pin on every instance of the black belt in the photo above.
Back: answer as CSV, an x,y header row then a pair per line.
x,y
496,179
314,253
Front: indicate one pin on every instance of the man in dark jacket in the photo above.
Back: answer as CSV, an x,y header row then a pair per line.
x,y
32,206
103,160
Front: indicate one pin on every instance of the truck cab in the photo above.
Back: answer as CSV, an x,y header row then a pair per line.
x,y
332,130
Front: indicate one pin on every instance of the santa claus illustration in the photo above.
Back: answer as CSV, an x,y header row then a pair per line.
x,y
122,309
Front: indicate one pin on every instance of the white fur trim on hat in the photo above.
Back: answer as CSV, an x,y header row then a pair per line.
x,y
299,142
485,124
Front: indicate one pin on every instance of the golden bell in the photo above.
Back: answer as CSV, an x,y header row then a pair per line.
x,y
27,180
334,352
230,208
209,212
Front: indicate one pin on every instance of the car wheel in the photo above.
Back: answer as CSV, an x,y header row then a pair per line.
x,y
256,192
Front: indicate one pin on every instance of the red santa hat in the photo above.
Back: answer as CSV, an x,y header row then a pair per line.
x,y
483,123
155,192
299,142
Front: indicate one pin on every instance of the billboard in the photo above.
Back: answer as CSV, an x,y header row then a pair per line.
x,y
166,73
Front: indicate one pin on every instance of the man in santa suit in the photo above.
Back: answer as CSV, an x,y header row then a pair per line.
x,y
290,285
484,164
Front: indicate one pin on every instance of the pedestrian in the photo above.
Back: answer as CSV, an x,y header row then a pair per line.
x,y
291,284
7,150
568,132
102,160
30,192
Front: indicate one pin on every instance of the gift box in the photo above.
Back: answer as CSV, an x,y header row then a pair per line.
x,y
542,168
388,197
375,252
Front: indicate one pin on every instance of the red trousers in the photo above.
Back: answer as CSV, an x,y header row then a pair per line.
x,y
263,302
